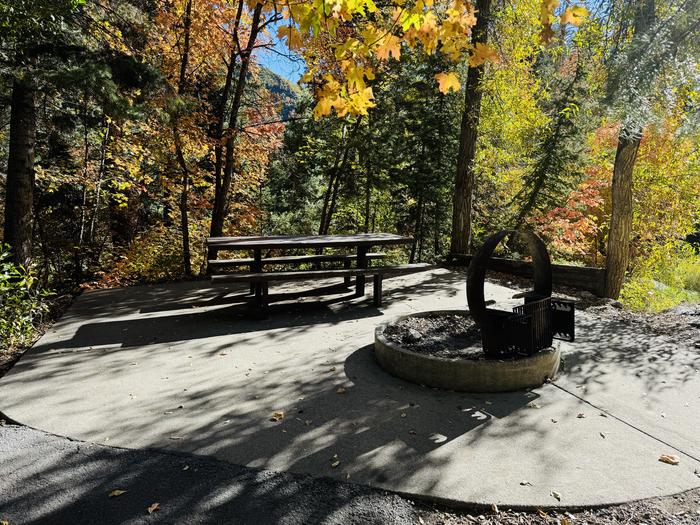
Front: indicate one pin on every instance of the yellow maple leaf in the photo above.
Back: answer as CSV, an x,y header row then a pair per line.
x,y
356,77
358,104
547,9
447,82
322,108
294,40
575,15
390,45
482,53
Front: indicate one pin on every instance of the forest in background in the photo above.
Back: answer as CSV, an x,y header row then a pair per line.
x,y
132,130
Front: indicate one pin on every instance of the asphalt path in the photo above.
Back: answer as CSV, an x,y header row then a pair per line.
x,y
54,480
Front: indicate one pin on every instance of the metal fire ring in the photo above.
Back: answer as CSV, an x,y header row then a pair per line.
x,y
541,266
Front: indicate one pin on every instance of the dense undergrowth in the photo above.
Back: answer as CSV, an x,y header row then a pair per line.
x,y
22,305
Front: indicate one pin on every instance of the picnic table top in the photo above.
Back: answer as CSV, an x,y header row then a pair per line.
x,y
307,241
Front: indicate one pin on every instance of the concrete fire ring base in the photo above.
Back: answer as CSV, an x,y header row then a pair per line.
x,y
463,375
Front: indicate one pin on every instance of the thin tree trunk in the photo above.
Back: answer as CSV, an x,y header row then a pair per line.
x,y
98,182
618,249
334,198
421,230
331,180
340,175
86,165
464,178
622,213
221,197
368,195
184,194
19,190
417,237
223,103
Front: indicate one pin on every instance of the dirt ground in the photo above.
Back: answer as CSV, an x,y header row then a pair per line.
x,y
682,509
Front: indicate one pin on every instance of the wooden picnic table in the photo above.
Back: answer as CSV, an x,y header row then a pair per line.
x,y
361,242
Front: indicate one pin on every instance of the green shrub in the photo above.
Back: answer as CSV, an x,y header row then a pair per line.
x,y
155,255
663,278
21,304
690,273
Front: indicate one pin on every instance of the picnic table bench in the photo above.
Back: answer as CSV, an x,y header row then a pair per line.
x,y
259,279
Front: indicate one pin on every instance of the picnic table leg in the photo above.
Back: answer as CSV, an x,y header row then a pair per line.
x,y
377,289
256,288
361,263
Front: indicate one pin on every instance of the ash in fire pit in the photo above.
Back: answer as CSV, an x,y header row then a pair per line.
x,y
441,335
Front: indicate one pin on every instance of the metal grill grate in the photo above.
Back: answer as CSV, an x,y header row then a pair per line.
x,y
540,310
530,327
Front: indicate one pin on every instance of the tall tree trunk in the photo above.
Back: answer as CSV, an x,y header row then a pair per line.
x,y
339,176
331,180
184,193
622,213
86,167
417,231
223,104
618,249
98,181
221,196
19,191
464,178
368,195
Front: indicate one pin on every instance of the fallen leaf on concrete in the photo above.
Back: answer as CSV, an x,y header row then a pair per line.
x,y
331,369
581,415
277,416
340,390
603,414
533,405
494,508
525,482
186,467
554,420
697,473
403,414
602,434
335,461
115,493
175,438
153,508
669,459
555,495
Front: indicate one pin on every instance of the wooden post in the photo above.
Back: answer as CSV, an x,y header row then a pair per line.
x,y
255,288
377,289
361,263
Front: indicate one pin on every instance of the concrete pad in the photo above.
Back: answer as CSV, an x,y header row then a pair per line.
x,y
179,367
649,381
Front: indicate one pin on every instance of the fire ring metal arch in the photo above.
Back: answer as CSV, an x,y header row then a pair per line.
x,y
476,274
